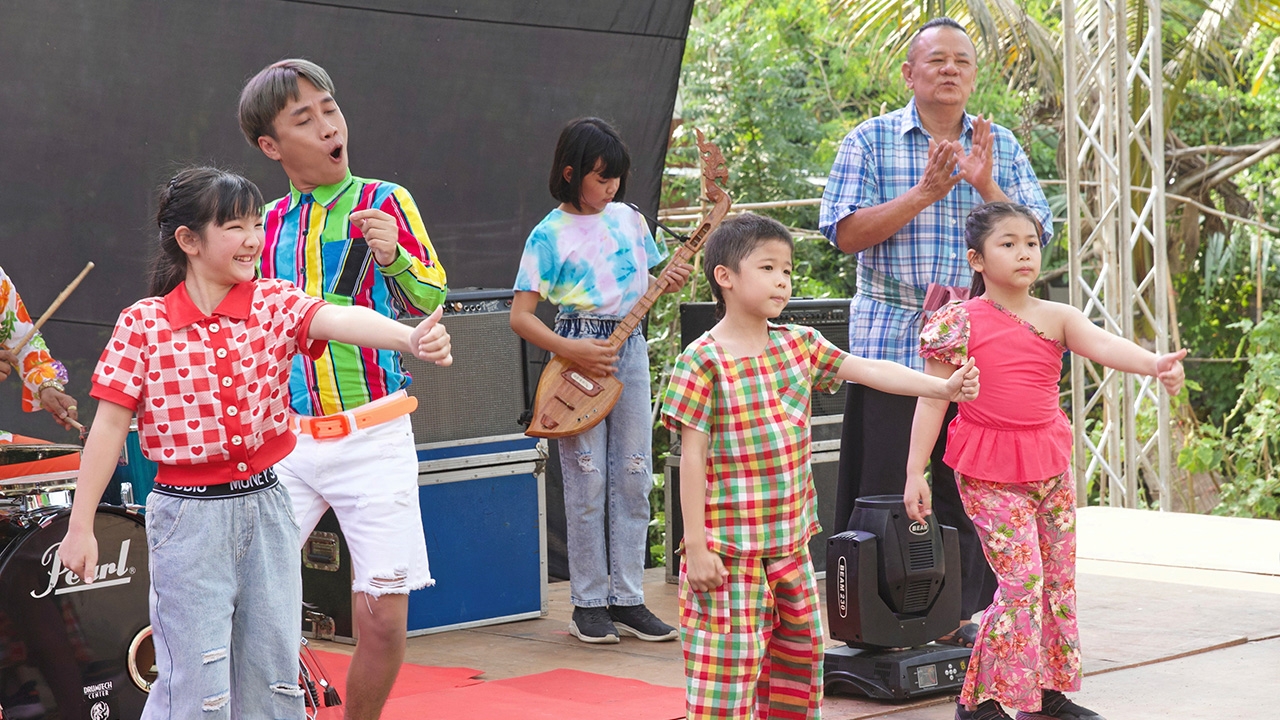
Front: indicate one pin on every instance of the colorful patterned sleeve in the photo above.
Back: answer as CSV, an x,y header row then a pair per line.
x,y
826,360
418,279
37,366
945,337
654,253
690,397
537,265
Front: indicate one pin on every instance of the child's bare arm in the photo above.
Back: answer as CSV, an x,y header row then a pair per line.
x,y
361,326
79,549
597,357
925,426
703,569
1084,338
890,377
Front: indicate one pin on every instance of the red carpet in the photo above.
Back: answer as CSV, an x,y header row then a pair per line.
x,y
455,694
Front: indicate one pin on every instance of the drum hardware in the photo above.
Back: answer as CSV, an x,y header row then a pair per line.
x,y
142,654
312,674
322,626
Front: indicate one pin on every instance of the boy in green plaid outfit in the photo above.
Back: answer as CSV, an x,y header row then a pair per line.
x,y
739,396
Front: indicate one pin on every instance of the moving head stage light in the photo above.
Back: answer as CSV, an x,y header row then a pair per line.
x,y
893,586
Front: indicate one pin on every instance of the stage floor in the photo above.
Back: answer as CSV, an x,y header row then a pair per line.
x,y
1179,617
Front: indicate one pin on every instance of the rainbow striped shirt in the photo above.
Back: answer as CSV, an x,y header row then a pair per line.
x,y
312,243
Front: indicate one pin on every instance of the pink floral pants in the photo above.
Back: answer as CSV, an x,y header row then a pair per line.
x,y
1028,638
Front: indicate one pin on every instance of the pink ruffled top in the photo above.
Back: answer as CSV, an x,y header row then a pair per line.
x,y
1015,431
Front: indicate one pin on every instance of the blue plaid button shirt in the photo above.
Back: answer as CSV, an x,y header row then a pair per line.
x,y
878,161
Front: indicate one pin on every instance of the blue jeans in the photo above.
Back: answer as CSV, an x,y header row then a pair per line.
x,y
609,466
226,603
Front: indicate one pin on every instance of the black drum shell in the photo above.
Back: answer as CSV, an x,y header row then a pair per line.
x,y
64,646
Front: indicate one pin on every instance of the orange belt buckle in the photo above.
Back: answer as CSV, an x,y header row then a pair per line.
x,y
333,426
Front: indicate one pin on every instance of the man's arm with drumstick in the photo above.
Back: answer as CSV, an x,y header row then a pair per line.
x,y
43,376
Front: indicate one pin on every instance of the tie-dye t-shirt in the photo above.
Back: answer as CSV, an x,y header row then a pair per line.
x,y
590,263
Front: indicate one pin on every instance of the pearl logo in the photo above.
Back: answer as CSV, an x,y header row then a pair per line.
x,y
63,581
919,528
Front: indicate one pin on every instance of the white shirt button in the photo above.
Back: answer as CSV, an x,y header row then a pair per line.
x,y
232,411
242,467
226,381
213,327
235,440
221,352
953,256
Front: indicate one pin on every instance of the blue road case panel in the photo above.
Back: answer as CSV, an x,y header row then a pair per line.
x,y
486,540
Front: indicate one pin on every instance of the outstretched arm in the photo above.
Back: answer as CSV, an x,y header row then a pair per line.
x,y
925,426
890,377
361,326
1083,337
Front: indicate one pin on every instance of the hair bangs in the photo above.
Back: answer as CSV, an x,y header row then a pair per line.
x,y
235,197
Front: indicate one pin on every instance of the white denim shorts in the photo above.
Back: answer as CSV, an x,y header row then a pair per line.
x,y
370,479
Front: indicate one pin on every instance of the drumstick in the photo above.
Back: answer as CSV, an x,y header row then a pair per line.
x,y
56,302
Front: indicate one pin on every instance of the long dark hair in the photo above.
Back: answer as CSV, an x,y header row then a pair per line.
x,y
582,144
979,226
195,197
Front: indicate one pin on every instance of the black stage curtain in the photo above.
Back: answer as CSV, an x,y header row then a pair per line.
x,y
461,103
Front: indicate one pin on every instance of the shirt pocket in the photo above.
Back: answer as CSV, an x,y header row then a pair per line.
x,y
793,396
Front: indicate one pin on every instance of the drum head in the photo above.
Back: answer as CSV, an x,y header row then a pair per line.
x,y
65,646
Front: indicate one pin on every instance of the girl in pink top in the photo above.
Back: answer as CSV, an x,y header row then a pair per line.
x,y
1011,450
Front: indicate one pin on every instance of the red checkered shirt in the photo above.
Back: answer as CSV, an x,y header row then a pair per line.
x,y
210,391
760,496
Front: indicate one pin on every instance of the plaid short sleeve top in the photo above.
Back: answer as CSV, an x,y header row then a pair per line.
x,y
760,496
210,391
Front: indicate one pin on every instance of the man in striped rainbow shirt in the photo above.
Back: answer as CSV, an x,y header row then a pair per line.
x,y
350,241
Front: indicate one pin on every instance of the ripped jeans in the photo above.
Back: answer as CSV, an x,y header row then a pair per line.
x,y
226,593
609,467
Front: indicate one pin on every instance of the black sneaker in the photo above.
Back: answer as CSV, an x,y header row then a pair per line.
x,y
592,625
1055,706
986,710
637,621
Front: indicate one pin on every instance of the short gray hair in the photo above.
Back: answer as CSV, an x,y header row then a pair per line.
x,y
275,86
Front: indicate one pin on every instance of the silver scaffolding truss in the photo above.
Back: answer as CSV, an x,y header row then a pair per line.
x,y
1115,168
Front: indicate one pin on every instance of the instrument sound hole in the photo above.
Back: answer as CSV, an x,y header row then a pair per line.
x,y
142,660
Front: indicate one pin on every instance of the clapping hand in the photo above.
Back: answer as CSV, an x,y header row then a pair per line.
x,y
976,165
940,169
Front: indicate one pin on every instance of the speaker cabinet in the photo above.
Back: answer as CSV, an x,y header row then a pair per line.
x,y
830,317
484,392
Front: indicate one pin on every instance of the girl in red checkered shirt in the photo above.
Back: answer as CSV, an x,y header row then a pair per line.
x,y
204,364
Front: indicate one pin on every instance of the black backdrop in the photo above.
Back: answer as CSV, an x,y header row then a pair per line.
x,y
100,102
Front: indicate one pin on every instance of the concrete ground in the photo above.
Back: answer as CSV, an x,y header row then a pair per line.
x,y
1179,617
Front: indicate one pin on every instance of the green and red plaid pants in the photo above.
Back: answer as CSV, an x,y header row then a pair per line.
x,y
753,646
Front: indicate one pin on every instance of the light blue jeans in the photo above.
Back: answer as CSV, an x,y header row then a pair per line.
x,y
226,604
609,466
